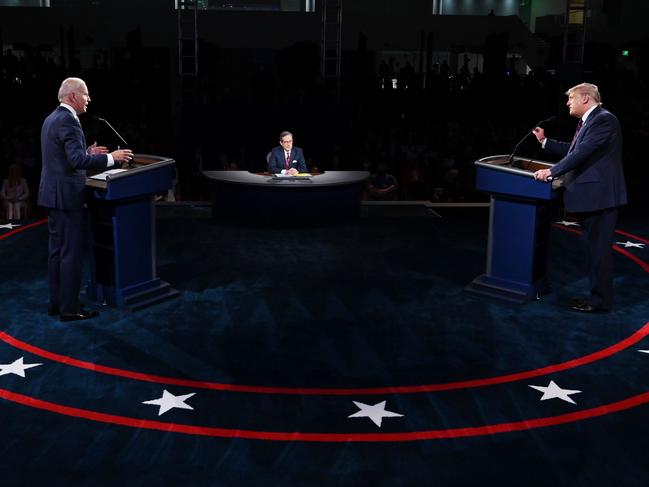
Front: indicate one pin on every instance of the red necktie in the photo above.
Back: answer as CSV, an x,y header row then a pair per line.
x,y
574,138
288,160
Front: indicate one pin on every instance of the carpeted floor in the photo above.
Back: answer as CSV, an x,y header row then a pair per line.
x,y
286,341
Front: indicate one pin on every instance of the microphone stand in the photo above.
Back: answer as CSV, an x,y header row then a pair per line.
x,y
511,157
115,132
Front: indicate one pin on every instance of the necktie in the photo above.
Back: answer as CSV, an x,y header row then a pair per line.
x,y
83,136
574,138
288,160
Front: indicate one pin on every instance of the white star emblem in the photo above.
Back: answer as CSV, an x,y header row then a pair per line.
x,y
553,391
643,351
628,244
17,367
375,412
169,401
567,223
9,225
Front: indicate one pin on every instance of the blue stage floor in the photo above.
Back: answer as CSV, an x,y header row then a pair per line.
x,y
344,354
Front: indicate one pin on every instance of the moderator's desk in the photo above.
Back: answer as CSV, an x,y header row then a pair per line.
x,y
241,194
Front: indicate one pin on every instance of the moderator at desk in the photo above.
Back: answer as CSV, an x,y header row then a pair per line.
x,y
245,195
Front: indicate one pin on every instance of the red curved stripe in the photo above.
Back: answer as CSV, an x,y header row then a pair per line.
x,y
634,258
630,235
567,229
22,228
527,424
586,359
621,232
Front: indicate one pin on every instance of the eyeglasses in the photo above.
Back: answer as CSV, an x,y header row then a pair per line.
x,y
286,141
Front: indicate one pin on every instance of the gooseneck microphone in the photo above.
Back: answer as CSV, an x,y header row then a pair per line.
x,y
539,124
95,117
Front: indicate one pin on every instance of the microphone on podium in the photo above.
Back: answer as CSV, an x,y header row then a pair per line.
x,y
95,117
539,124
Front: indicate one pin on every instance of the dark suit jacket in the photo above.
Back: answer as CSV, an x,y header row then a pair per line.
x,y
593,173
276,160
65,161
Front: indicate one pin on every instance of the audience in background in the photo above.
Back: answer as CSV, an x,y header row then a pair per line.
x,y
428,130
383,185
14,193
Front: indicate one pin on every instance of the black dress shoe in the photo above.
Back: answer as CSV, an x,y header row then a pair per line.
x,y
55,310
585,307
81,315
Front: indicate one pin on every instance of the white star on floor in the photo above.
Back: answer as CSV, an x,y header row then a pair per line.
x,y
628,244
169,401
567,223
10,226
643,351
375,412
18,367
553,391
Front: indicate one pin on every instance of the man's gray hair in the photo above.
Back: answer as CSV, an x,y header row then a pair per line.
x,y
284,134
587,89
69,86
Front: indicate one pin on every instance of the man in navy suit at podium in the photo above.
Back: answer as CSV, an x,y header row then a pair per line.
x,y
62,189
286,159
593,178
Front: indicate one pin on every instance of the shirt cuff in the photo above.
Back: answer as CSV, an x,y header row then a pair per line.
x,y
111,162
543,143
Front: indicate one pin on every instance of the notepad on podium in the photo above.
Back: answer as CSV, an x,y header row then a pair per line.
x,y
103,176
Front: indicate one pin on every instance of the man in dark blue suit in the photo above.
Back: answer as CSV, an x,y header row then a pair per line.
x,y
286,159
594,184
62,189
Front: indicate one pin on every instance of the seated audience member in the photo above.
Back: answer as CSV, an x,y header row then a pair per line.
x,y
286,159
14,193
383,186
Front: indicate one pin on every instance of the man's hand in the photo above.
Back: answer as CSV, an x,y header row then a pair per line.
x,y
292,171
122,155
539,133
95,149
542,174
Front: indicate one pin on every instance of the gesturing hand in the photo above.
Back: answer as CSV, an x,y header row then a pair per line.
x,y
539,133
95,149
122,155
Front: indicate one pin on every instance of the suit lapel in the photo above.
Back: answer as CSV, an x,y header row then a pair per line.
x,y
591,117
582,131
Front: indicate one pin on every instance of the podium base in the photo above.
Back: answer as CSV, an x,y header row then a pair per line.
x,y
133,299
152,296
510,291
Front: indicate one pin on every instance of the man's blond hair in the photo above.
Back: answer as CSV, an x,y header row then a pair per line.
x,y
587,89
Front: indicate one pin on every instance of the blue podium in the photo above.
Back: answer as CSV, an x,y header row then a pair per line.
x,y
122,219
519,224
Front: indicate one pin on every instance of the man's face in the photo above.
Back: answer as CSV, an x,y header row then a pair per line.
x,y
286,142
79,99
577,103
